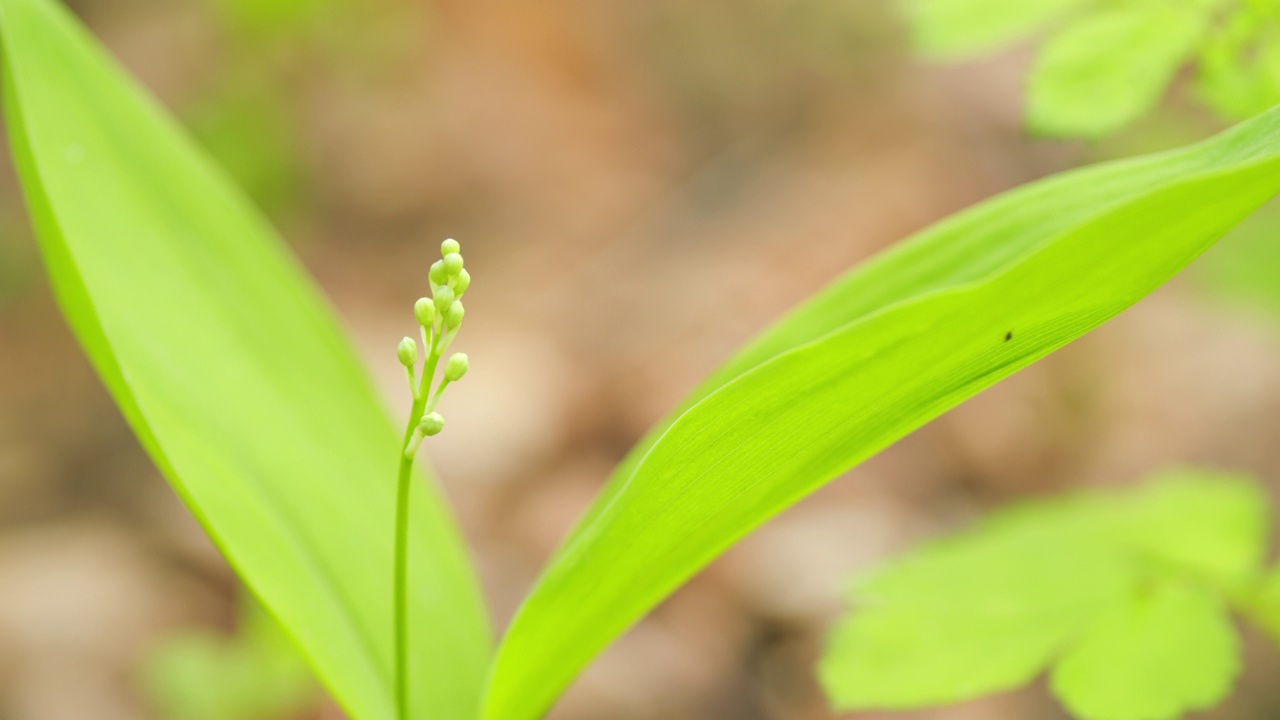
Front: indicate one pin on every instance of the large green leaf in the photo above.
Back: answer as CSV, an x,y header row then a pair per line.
x,y
959,250
883,351
1103,72
233,373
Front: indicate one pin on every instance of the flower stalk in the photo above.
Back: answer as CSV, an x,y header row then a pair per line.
x,y
439,319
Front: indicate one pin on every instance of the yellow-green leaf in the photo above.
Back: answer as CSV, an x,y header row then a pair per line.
x,y
978,613
1103,72
1210,526
991,608
887,348
948,28
1169,649
233,372
1238,74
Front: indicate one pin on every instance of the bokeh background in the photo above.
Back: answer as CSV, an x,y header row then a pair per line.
x,y
638,187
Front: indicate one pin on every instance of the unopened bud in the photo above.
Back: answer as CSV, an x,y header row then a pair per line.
x,y
452,264
449,247
431,424
456,367
438,274
453,318
444,297
425,311
461,282
407,351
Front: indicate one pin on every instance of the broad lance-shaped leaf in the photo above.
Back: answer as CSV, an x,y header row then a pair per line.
x,y
1041,267
959,250
233,373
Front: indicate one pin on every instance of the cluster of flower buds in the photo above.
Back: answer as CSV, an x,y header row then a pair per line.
x,y
439,318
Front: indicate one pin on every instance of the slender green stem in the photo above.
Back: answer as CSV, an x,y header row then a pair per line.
x,y
404,481
401,591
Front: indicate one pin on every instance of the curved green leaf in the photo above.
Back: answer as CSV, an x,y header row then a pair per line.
x,y
876,356
1169,649
1103,72
962,249
233,373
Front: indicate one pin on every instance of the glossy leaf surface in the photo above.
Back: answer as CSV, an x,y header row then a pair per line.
x,y
884,350
232,371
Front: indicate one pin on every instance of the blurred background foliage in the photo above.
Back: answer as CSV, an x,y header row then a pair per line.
x,y
1123,599
1101,67
255,674
645,186
1102,64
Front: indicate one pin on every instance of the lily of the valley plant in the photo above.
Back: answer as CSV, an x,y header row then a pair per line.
x,y
238,380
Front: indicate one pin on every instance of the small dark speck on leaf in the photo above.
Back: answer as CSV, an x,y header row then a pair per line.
x,y
1008,336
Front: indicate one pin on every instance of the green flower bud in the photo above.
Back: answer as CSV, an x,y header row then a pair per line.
x,y
452,264
432,424
449,247
438,273
461,282
444,298
453,318
425,311
407,351
456,367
